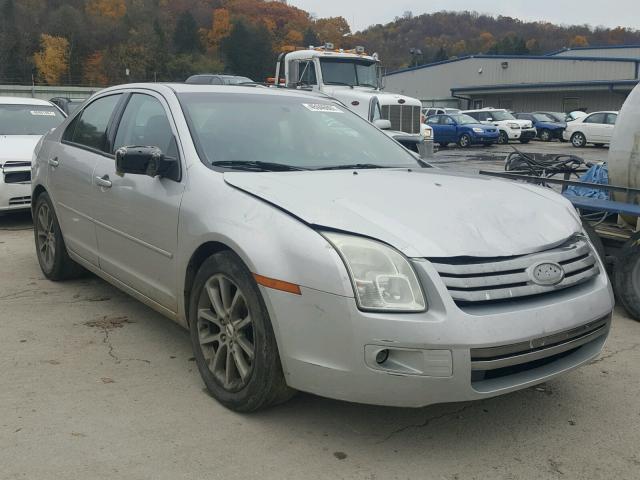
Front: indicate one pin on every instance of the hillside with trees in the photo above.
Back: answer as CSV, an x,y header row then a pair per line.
x,y
443,35
103,42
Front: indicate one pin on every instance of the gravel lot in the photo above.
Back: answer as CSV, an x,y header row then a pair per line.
x,y
95,385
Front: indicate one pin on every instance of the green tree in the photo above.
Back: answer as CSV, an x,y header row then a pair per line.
x,y
310,37
248,51
185,37
441,55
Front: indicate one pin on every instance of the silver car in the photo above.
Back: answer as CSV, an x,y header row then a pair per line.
x,y
305,250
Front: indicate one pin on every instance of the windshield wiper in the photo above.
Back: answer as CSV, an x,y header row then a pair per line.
x,y
352,166
256,166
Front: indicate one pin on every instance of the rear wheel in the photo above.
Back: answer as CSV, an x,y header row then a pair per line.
x,y
464,141
233,342
503,138
578,140
627,280
545,135
52,254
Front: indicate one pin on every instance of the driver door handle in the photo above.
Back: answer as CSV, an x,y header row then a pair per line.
x,y
103,181
53,162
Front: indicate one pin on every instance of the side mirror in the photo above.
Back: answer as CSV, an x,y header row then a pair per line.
x,y
382,124
140,160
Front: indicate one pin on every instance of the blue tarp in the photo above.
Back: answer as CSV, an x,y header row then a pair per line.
x,y
596,174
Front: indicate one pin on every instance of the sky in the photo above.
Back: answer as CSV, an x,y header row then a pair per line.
x,y
362,13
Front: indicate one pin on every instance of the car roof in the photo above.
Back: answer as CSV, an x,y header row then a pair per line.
x,y
24,101
178,88
602,111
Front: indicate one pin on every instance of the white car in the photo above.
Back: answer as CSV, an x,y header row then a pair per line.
x,y
510,127
427,112
23,121
596,128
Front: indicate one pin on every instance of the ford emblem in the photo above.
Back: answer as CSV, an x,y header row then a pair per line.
x,y
546,273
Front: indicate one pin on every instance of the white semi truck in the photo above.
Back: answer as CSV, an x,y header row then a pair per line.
x,y
355,79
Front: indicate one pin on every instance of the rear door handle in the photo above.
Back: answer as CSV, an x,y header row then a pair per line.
x,y
103,181
53,162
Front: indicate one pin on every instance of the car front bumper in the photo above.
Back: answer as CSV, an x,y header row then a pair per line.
x,y
486,137
329,347
13,195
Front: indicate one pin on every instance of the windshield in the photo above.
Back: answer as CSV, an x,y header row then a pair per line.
x,y
542,117
336,71
293,131
236,80
462,119
28,119
501,115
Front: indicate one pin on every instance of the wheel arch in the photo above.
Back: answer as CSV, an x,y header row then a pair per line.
x,y
37,191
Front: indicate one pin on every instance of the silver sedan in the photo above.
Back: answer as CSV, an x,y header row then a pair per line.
x,y
306,250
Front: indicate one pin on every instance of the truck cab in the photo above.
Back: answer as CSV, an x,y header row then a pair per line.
x,y
355,79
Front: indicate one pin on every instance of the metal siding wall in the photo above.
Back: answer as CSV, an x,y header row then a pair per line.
x,y
603,52
435,83
46,92
553,101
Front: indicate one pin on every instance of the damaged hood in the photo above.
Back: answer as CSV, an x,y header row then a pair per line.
x,y
422,213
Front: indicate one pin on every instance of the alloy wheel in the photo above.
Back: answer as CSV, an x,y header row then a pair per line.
x,y
226,332
545,136
45,235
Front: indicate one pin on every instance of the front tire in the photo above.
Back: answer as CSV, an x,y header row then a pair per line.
x,y
464,141
627,280
545,135
232,338
578,140
503,138
51,250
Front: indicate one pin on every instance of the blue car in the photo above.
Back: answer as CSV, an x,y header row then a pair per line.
x,y
461,129
548,127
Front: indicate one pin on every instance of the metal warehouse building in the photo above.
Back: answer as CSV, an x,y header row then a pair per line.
x,y
591,78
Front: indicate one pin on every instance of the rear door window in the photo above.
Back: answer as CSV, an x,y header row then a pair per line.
x,y
90,128
595,118
611,118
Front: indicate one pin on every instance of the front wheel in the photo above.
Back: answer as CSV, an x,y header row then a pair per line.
x,y
464,141
627,280
503,138
51,250
545,135
233,342
578,140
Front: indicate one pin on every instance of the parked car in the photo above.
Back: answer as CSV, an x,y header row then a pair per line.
x,y
217,79
315,253
547,127
22,122
461,129
427,112
509,127
575,115
559,117
66,104
596,128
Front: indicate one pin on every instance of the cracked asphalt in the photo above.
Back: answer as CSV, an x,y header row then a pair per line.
x,y
95,385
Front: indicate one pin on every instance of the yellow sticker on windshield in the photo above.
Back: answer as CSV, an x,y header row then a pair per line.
x,y
322,107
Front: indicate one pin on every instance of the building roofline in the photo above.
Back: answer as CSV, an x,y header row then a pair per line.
x,y
514,57
595,47
591,83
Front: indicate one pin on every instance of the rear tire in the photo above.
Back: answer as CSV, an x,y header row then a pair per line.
x,y
51,250
232,338
578,140
627,280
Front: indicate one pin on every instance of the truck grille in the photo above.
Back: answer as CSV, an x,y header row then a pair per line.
x,y
477,280
404,118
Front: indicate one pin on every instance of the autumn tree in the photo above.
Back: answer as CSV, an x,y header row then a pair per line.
x,y
112,9
310,37
52,61
332,29
94,73
579,41
220,28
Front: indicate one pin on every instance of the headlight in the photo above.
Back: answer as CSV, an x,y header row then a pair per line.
x,y
382,278
514,126
427,133
478,130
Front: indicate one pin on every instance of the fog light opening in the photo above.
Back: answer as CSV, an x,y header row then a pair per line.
x,y
382,356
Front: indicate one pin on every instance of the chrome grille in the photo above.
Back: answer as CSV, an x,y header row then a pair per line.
x,y
474,280
403,118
